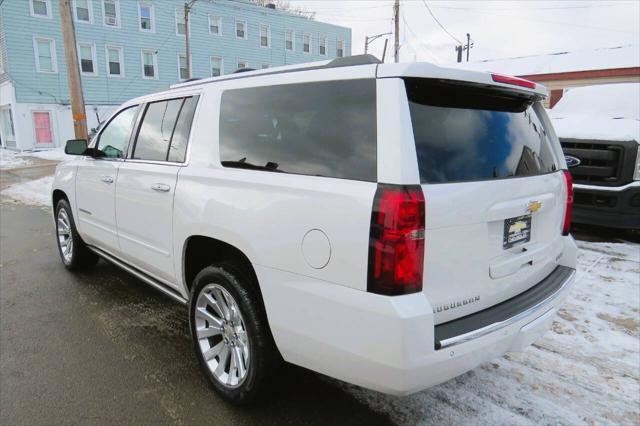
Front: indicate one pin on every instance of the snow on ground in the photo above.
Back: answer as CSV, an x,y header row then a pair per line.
x,y
10,159
585,370
35,192
54,154
13,159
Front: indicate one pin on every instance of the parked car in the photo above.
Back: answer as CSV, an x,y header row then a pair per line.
x,y
389,225
599,130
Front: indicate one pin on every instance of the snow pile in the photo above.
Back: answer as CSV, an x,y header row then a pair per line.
x,y
585,370
585,60
11,159
35,192
54,154
600,112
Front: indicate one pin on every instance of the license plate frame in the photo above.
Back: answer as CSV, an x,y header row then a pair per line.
x,y
517,230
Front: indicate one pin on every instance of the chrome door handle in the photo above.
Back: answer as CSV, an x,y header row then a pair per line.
x,y
160,187
106,179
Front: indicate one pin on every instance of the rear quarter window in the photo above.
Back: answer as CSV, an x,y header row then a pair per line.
x,y
471,133
321,129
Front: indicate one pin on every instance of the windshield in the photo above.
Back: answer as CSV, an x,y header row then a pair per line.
x,y
468,133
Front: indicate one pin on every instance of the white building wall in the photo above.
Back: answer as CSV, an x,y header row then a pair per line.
x,y
60,116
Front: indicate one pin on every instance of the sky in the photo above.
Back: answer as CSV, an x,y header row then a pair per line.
x,y
499,29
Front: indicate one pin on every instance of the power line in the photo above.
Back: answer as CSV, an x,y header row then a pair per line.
x,y
438,22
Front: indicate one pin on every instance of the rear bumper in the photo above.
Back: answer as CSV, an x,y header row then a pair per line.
x,y
389,343
607,206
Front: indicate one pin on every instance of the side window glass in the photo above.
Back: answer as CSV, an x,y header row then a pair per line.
x,y
178,150
115,136
156,130
319,129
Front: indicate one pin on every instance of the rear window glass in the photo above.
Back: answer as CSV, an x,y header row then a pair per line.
x,y
470,133
320,128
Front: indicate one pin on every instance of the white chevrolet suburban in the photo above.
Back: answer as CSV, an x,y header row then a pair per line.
x,y
389,225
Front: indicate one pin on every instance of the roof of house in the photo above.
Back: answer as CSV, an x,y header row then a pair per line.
x,y
560,62
600,112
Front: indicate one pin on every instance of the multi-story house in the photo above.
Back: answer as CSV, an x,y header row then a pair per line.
x,y
128,48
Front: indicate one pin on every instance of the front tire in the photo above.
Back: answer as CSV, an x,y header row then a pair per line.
x,y
230,333
73,251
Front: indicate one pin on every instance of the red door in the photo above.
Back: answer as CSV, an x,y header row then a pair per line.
x,y
42,126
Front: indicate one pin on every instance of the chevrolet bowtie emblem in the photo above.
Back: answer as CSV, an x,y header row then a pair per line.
x,y
534,206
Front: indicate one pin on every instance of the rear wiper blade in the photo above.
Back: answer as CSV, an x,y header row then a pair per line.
x,y
242,164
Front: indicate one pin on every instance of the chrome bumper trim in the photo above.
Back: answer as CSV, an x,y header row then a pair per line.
x,y
462,338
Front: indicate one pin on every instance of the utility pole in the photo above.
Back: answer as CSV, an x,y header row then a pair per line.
x,y
369,39
396,46
73,71
187,8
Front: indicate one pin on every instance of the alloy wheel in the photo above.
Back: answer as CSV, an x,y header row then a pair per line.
x,y
65,237
222,335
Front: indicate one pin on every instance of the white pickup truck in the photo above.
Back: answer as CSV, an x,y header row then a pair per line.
x,y
389,225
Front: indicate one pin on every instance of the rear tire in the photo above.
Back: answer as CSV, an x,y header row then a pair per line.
x,y
73,251
230,333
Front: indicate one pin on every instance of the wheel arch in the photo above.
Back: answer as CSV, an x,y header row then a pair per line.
x,y
58,195
200,251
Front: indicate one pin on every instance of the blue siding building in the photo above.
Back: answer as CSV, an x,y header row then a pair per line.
x,y
129,48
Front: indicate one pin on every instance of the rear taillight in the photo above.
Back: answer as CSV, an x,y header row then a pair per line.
x,y
514,81
566,226
396,245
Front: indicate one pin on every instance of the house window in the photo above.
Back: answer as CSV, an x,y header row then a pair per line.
x,y
180,25
306,43
87,53
115,66
322,46
42,128
289,37
242,64
40,8
145,11
82,11
241,29
183,71
215,25
340,48
45,50
149,64
216,66
111,12
265,36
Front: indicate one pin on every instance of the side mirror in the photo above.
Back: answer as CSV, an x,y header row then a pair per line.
x,y
75,147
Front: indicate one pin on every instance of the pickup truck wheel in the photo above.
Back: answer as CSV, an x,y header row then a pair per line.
x,y
230,333
73,251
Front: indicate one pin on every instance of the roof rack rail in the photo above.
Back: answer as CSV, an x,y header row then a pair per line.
x,y
192,79
347,61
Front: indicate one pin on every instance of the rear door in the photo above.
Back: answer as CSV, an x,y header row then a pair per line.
x,y
146,186
493,189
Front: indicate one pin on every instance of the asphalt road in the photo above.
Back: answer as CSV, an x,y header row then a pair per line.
x,y
103,348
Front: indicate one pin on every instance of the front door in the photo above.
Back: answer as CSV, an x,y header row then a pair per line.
x,y
42,129
146,186
96,183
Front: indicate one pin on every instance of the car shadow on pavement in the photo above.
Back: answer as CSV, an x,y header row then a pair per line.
x,y
138,320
